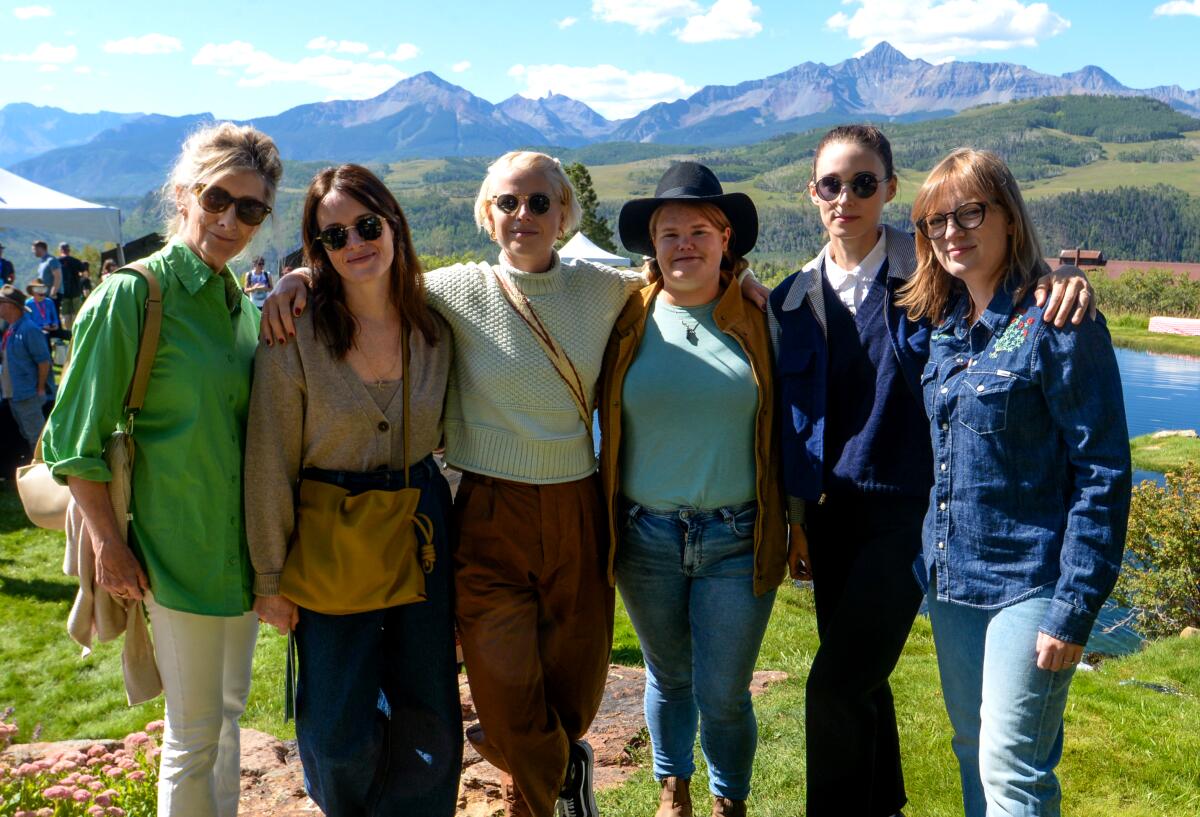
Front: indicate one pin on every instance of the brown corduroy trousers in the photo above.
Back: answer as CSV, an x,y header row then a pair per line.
x,y
535,615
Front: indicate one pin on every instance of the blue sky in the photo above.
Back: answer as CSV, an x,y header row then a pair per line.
x,y
240,60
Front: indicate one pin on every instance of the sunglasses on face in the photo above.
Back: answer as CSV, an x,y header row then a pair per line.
x,y
368,226
967,216
862,185
538,203
213,199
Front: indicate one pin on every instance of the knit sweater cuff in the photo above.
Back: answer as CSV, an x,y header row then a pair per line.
x,y
266,584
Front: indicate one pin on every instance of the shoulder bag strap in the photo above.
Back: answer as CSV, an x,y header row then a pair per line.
x,y
148,345
554,351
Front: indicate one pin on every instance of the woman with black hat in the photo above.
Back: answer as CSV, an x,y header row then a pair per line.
x,y
696,511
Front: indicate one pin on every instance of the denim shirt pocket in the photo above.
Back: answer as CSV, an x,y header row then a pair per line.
x,y
983,399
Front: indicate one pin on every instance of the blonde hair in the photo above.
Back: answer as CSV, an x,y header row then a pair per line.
x,y
212,151
731,265
973,173
551,168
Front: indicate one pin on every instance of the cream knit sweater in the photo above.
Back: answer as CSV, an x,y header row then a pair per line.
x,y
508,413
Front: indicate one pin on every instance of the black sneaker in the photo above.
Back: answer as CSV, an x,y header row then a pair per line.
x,y
576,798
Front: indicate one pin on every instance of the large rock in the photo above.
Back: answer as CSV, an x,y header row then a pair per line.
x,y
1190,632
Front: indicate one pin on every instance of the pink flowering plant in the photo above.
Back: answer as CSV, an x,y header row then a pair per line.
x,y
101,780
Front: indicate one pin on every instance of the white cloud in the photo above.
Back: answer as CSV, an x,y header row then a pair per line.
x,y
145,44
29,12
83,69
45,53
1178,7
726,20
644,15
323,43
459,67
936,29
614,92
48,68
567,22
347,79
404,51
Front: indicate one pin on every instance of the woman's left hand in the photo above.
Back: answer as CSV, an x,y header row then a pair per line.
x,y
1054,654
755,292
1065,293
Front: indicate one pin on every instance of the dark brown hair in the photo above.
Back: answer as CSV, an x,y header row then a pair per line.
x,y
334,322
867,136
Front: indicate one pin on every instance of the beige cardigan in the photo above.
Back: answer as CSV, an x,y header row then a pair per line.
x,y
309,410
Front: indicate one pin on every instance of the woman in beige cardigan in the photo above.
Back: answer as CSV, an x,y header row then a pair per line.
x,y
377,711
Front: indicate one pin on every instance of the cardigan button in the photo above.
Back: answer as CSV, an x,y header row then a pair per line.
x,y
383,425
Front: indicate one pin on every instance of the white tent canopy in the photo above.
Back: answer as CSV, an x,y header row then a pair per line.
x,y
25,205
581,248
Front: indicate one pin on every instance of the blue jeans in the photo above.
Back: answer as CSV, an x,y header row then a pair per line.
x,y
687,579
1007,714
378,719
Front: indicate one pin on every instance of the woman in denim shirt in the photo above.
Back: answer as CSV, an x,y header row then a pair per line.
x,y
1022,541
857,465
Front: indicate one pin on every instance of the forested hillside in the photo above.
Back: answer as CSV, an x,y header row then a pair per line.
x,y
1111,173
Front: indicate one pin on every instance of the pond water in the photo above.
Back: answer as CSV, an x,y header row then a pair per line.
x,y
1161,392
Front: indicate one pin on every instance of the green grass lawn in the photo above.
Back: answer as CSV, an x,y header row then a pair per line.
x,y
1163,454
1132,332
1130,751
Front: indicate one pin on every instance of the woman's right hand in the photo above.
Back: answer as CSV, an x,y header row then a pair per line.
x,y
278,611
286,302
117,569
799,564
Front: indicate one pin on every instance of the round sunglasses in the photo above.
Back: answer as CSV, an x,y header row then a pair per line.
x,y
214,199
967,216
368,226
862,185
538,203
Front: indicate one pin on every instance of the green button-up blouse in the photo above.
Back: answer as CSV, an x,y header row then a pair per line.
x,y
187,526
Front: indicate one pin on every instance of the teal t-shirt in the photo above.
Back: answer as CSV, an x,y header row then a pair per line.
x,y
687,418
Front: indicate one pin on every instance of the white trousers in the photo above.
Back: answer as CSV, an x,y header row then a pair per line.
x,y
205,666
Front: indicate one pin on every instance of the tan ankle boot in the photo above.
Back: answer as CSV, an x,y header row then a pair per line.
x,y
675,799
724,807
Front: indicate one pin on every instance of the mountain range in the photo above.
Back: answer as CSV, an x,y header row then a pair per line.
x,y
110,154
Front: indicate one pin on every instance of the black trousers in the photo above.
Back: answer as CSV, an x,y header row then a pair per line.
x,y
862,549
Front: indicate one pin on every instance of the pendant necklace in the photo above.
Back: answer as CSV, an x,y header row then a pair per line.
x,y
690,328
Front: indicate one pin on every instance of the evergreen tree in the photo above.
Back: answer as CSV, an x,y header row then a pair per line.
x,y
591,225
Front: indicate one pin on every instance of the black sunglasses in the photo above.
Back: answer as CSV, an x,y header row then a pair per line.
x,y
967,216
862,185
214,199
368,226
538,203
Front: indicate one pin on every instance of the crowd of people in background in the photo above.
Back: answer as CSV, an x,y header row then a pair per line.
x,y
908,416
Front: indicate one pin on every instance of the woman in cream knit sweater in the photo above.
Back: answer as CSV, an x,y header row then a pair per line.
x,y
534,605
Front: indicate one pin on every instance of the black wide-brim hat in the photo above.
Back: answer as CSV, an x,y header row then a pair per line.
x,y
689,182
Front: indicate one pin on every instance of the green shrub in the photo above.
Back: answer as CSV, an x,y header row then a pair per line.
x,y
1160,581
1148,292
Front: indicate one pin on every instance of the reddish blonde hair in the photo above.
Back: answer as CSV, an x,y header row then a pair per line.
x,y
981,174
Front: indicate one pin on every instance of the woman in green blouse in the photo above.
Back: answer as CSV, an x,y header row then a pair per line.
x,y
186,556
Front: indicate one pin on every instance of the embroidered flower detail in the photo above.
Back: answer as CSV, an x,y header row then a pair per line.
x,y
1015,334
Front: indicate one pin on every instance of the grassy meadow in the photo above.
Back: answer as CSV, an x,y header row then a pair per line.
x,y
1130,750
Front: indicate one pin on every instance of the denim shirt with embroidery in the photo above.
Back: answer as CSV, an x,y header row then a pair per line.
x,y
1031,463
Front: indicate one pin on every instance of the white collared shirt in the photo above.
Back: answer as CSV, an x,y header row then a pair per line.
x,y
851,285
